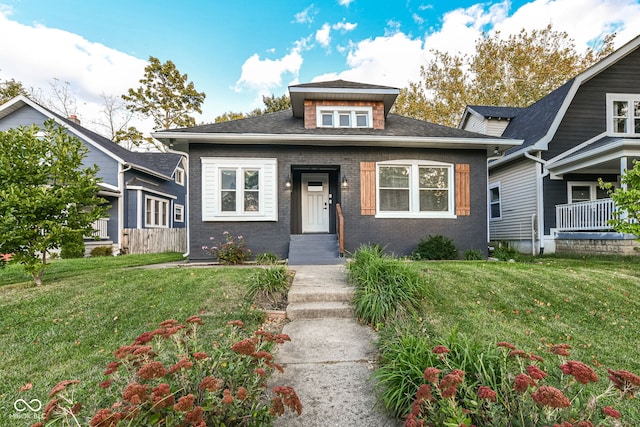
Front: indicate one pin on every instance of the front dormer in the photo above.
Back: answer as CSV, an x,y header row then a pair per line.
x,y
342,104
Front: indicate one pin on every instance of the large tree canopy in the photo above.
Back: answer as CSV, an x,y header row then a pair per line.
x,y
514,71
46,193
10,89
165,96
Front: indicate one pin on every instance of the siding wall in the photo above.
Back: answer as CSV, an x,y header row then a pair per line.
x,y
518,197
397,235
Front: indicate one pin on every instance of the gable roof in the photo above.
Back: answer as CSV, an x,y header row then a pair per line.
x,y
341,90
284,128
538,123
161,165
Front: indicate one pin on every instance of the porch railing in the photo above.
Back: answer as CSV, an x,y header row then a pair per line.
x,y
340,227
585,216
101,229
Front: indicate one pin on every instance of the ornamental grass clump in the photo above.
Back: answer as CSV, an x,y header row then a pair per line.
x,y
518,389
167,377
231,251
385,286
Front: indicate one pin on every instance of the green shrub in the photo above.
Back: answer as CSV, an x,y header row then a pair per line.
x,y
385,287
473,255
72,246
435,248
267,258
168,377
505,253
231,251
102,251
269,287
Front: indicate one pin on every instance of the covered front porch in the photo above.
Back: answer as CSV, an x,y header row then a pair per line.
x,y
582,224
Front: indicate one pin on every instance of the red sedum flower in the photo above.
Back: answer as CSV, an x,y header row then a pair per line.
x,y
550,396
581,372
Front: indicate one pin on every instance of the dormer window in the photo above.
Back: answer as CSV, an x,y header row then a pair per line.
x,y
344,117
623,113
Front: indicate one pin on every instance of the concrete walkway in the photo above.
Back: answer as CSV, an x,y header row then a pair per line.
x,y
330,357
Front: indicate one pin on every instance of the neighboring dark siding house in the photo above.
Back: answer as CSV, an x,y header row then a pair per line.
x,y
544,194
144,190
275,177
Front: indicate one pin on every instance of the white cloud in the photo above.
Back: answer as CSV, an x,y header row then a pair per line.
x,y
261,75
44,54
344,26
323,35
345,3
392,61
306,16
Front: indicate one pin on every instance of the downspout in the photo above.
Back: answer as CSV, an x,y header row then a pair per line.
x,y
540,174
186,198
123,201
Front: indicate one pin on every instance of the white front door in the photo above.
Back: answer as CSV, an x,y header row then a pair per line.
x,y
315,203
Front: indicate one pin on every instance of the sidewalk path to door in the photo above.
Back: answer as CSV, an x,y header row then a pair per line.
x,y
329,361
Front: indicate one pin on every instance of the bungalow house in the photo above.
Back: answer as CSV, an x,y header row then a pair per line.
x,y
336,164
143,190
544,194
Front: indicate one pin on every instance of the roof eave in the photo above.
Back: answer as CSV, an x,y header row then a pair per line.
x,y
490,144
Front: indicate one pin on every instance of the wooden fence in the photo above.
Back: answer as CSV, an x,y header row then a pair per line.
x,y
154,240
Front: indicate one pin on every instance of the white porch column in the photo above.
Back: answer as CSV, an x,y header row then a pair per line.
x,y
623,168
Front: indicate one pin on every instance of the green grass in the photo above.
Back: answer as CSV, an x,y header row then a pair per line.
x,y
69,327
591,304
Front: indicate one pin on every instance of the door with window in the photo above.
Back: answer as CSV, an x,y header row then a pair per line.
x,y
315,203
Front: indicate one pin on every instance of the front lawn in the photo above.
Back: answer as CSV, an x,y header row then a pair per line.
x,y
590,304
69,327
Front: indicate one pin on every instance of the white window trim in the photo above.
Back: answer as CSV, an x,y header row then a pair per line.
x,y
337,110
178,208
629,97
268,188
414,190
180,176
593,189
499,202
147,217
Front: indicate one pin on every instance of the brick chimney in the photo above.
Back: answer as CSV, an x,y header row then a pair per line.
x,y
74,119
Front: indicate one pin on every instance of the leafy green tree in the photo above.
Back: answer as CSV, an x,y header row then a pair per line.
x,y
271,105
626,217
46,193
514,72
10,89
165,96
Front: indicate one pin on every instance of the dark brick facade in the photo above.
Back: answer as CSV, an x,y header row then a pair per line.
x,y
399,236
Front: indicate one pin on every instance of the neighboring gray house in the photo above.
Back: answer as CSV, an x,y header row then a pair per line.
x,y
544,195
279,178
144,190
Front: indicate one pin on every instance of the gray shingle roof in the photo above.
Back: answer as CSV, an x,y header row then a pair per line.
x,y
284,123
340,84
534,122
161,163
496,112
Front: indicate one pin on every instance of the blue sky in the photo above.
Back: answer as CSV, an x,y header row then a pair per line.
x,y
237,51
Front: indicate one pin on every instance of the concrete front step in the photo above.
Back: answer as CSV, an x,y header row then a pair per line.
x,y
317,310
315,294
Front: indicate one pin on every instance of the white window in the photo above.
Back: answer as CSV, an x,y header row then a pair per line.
x,y
414,188
178,213
623,113
345,117
584,192
157,212
237,189
180,176
495,204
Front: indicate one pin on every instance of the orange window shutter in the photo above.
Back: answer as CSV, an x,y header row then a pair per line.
x,y
463,190
367,188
